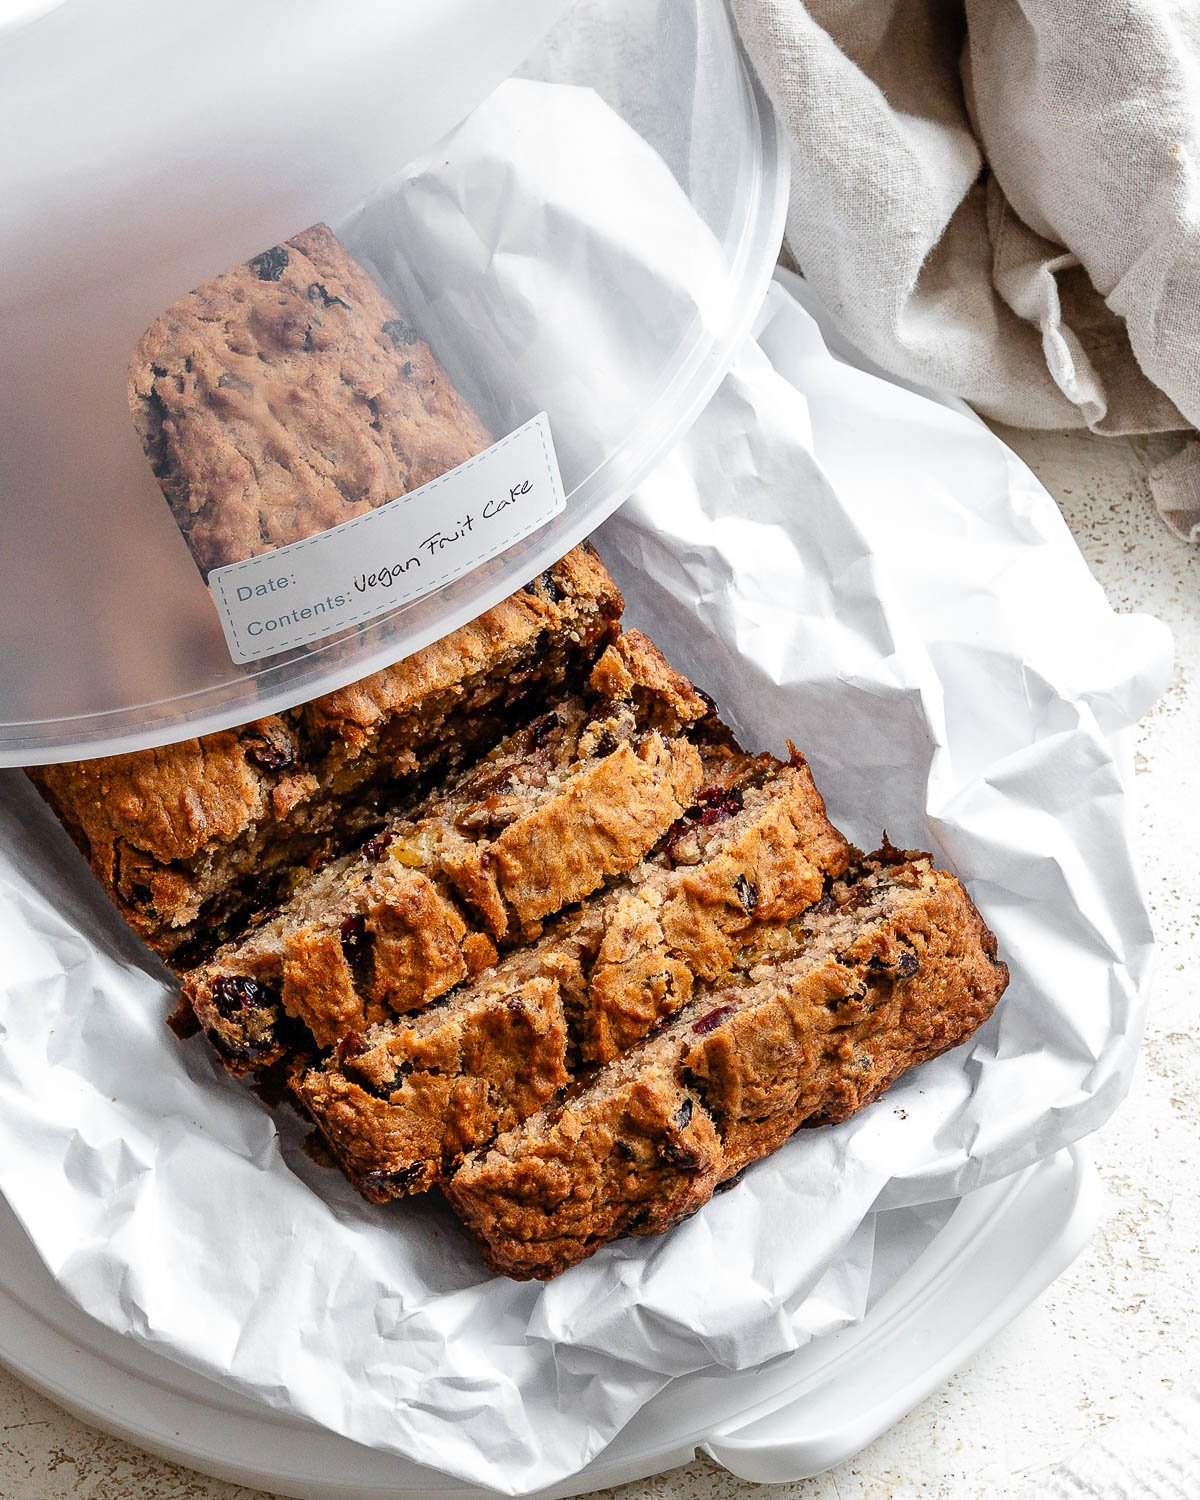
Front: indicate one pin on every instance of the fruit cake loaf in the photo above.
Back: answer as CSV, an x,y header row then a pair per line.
x,y
189,838
401,1101
571,799
895,968
286,396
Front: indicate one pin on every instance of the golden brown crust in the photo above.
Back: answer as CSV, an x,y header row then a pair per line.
x,y
960,981
417,933
895,970
286,396
317,986
165,804
188,835
422,1094
634,668
611,814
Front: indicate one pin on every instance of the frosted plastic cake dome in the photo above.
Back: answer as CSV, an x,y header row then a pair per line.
x,y
577,206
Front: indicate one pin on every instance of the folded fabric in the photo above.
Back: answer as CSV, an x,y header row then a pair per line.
x,y
1001,198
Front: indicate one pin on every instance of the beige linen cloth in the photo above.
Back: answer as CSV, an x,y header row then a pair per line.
x,y
1001,198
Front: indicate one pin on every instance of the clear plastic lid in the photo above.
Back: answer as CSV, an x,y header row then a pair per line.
x,y
575,208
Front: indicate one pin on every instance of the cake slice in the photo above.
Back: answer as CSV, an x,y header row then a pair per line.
x,y
894,968
400,1102
189,839
573,798
440,1082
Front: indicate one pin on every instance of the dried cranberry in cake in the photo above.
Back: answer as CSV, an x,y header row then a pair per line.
x,y
713,805
234,994
718,803
252,1013
355,939
702,1025
352,1045
377,846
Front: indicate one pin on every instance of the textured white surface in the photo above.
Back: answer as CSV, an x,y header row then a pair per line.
x,y
1094,1390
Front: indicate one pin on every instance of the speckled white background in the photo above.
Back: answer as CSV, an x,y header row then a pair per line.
x,y
1095,1390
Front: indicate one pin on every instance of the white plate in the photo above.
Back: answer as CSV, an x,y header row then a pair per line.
x,y
1000,1247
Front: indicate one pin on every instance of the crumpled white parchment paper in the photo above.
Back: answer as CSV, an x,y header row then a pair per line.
x,y
841,561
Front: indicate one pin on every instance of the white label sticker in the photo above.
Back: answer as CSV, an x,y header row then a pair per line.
x,y
311,589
